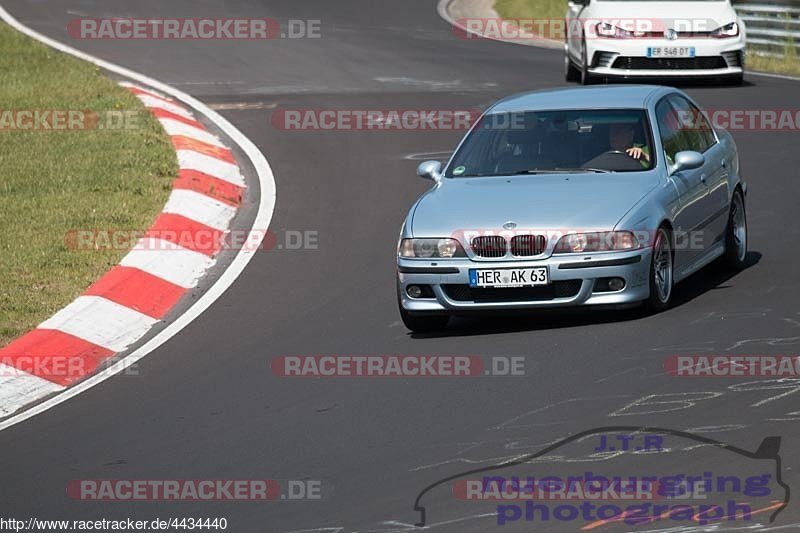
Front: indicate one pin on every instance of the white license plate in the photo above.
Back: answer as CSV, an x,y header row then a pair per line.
x,y
509,277
670,51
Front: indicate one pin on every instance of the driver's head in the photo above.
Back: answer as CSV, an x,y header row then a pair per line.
x,y
620,136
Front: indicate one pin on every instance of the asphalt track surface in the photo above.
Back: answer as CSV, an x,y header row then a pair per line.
x,y
206,405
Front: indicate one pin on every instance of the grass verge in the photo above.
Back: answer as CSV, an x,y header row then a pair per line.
x,y
52,182
787,64
531,9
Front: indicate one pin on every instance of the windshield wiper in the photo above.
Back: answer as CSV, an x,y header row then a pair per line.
x,y
537,171
563,171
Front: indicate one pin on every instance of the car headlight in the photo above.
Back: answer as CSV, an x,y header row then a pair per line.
x,y
609,241
604,29
430,248
729,30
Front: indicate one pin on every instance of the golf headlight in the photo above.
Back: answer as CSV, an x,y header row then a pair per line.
x,y
604,29
611,241
430,248
729,30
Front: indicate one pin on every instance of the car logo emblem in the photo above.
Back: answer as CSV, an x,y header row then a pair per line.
x,y
510,225
671,34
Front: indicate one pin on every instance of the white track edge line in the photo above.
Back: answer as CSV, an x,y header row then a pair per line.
x,y
263,218
443,9
771,75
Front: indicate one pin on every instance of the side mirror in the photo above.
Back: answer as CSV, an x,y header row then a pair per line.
x,y
687,160
430,170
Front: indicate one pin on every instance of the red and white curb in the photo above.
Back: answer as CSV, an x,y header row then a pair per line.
x,y
120,308
263,216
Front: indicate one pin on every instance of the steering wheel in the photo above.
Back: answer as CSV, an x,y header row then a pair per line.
x,y
614,160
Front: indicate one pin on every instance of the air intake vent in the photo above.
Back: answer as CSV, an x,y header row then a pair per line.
x,y
604,59
687,63
733,59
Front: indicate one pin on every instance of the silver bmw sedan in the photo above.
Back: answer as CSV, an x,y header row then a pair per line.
x,y
599,196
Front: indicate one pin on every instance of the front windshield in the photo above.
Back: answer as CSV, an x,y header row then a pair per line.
x,y
541,142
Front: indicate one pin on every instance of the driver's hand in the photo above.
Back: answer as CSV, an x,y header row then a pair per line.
x,y
637,153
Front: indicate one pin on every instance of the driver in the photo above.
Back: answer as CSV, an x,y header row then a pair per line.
x,y
620,137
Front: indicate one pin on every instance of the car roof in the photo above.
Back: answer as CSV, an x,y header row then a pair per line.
x,y
601,97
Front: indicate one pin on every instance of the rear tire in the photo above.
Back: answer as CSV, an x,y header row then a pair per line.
x,y
661,272
736,234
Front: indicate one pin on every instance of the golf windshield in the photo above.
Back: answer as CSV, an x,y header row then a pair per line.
x,y
543,142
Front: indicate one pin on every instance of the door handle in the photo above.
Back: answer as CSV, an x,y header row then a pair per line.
x,y
724,163
703,178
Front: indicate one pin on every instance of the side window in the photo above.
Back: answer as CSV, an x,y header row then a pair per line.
x,y
705,128
670,130
694,126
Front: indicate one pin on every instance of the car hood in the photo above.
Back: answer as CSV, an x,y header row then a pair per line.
x,y
718,11
546,202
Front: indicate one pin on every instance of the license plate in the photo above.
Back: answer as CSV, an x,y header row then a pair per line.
x,y
670,51
509,277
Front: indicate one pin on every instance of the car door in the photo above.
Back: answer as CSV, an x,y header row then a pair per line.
x,y
716,170
700,138
689,214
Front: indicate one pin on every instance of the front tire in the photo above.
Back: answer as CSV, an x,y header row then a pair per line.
x,y
585,77
735,80
736,234
661,272
571,72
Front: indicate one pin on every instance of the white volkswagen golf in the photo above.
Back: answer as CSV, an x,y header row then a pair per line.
x,y
649,38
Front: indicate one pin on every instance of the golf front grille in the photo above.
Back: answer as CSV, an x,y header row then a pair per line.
x,y
663,63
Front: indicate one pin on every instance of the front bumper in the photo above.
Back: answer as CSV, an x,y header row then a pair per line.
x,y
628,58
573,279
